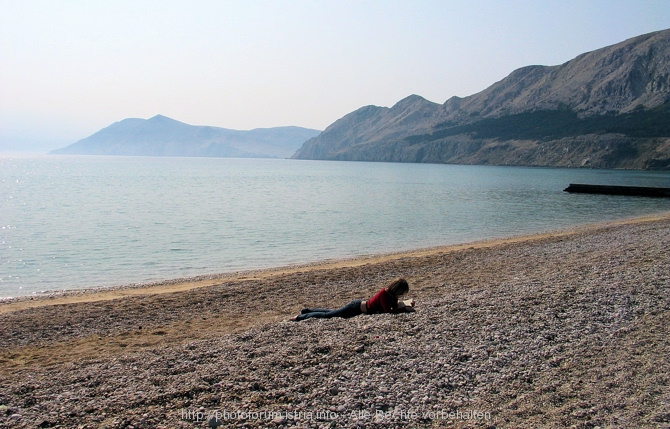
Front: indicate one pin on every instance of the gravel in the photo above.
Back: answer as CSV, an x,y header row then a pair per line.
x,y
568,330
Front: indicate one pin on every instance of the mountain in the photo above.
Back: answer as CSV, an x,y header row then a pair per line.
x,y
609,108
162,136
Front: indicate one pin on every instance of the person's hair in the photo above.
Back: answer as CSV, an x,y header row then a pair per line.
x,y
398,287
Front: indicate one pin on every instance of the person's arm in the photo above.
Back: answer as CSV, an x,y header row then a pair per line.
x,y
390,303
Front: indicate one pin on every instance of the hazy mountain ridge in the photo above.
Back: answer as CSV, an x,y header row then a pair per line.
x,y
163,136
565,115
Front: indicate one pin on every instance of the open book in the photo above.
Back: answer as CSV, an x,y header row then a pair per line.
x,y
407,305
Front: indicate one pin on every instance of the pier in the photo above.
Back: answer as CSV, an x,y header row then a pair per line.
x,y
640,191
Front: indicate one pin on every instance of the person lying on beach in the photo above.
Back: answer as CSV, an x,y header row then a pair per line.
x,y
384,301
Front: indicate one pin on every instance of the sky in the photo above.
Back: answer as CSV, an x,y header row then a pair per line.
x,y
71,68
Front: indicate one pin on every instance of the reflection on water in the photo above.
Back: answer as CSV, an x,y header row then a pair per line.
x,y
73,222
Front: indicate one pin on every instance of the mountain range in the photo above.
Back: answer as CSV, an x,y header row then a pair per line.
x,y
162,136
608,108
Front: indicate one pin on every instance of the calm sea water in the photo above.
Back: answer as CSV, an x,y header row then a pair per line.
x,y
78,222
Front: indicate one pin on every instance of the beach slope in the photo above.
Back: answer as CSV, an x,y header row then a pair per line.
x,y
564,329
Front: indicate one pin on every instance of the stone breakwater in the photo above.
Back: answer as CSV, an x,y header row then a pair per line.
x,y
566,330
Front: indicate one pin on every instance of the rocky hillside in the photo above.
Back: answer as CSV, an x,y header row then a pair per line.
x,y
609,108
162,136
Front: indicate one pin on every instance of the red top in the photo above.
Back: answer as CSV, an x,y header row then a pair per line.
x,y
383,302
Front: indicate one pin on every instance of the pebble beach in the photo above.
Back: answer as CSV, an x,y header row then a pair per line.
x,y
564,329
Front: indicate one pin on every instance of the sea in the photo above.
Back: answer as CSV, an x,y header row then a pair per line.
x,y
74,222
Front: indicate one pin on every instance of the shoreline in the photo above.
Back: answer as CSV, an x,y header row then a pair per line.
x,y
96,294
547,330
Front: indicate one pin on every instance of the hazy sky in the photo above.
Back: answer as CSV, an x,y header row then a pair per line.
x,y
70,68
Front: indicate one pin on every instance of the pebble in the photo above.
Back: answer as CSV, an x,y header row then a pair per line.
x,y
549,335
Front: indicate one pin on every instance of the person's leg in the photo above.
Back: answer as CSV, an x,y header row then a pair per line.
x,y
312,314
314,310
350,310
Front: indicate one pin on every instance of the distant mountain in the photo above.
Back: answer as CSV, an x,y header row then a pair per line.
x,y
609,108
162,136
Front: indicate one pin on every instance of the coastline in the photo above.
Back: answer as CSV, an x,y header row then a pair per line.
x,y
560,329
94,294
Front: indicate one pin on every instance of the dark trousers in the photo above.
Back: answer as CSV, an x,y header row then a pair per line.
x,y
350,310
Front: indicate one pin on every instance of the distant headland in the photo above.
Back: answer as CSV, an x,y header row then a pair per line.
x,y
163,136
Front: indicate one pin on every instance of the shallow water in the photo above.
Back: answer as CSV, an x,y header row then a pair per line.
x,y
70,222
